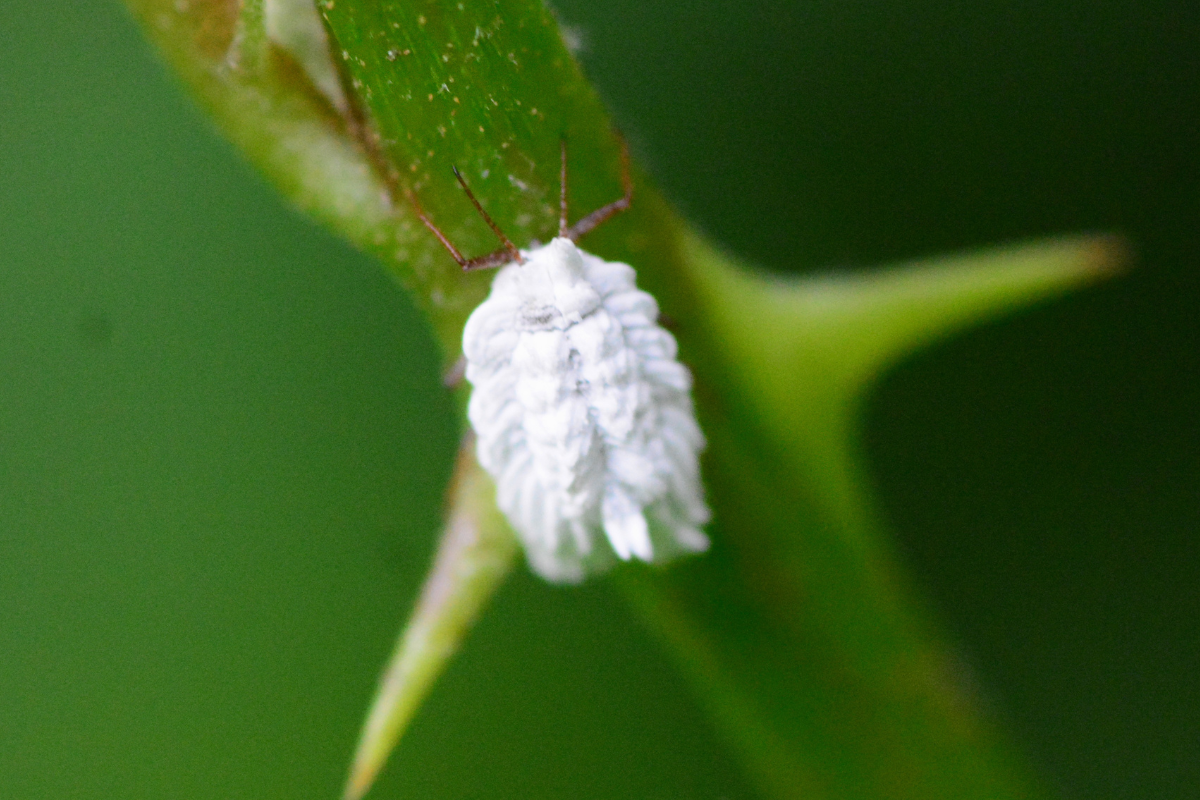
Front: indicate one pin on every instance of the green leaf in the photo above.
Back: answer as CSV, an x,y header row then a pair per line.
x,y
798,630
489,88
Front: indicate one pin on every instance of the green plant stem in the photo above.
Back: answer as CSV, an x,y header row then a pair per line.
x,y
798,630
477,551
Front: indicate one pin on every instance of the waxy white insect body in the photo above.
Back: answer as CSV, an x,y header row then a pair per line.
x,y
583,415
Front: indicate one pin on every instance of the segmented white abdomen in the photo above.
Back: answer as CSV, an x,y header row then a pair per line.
x,y
583,416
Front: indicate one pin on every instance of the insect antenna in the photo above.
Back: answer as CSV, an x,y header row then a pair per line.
x,y
563,230
586,225
508,245
498,258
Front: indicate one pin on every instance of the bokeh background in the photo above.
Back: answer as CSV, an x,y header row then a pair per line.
x,y
223,441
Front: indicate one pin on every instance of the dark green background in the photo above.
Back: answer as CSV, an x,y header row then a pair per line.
x,y
223,441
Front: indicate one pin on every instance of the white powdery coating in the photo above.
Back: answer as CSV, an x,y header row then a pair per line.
x,y
583,416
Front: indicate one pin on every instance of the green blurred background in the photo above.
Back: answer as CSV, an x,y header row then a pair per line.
x,y
223,441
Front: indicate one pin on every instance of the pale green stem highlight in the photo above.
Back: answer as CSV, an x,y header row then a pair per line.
x,y
477,551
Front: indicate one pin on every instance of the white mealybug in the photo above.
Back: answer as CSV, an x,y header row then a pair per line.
x,y
582,414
